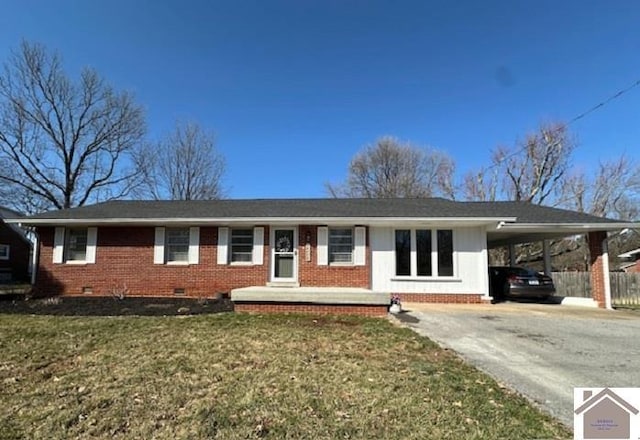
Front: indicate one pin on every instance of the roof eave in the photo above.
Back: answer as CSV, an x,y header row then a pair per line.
x,y
373,221
543,227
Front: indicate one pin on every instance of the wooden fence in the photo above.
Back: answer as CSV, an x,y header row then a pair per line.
x,y
625,287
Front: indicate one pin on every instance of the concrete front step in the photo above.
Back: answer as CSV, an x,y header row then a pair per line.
x,y
311,295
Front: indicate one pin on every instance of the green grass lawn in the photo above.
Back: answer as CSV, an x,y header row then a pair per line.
x,y
234,376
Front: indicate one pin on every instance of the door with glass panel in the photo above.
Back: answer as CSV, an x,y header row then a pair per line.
x,y
284,261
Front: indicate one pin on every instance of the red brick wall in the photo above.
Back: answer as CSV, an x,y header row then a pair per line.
x,y
441,298
18,262
321,309
596,266
124,257
312,275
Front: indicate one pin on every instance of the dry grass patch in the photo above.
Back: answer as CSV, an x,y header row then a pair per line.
x,y
238,376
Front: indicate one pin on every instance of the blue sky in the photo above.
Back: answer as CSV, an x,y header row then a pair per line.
x,y
293,89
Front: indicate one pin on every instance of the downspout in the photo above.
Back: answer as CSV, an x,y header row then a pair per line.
x,y
605,274
34,256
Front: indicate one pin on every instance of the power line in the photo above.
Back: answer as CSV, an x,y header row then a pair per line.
x,y
605,102
571,121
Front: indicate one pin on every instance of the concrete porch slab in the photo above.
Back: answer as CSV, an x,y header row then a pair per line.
x,y
313,295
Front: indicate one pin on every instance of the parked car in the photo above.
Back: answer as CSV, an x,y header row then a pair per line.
x,y
519,282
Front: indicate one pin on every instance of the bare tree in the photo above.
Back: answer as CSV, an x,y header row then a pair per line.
x,y
391,168
184,166
481,186
612,192
64,143
534,167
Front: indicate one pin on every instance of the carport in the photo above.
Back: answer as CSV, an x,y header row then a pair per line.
x,y
542,224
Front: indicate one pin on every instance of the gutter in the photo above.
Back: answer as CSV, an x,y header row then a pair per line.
x,y
373,221
573,226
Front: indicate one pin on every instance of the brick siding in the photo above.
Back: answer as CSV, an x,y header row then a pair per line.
x,y
124,260
312,275
449,298
596,266
321,309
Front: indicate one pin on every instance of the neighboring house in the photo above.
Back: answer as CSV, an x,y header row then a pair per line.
x,y
631,260
330,249
15,250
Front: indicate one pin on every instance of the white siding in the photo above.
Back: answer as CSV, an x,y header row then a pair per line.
x,y
223,245
258,245
470,263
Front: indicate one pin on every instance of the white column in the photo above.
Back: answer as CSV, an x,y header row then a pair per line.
x,y
605,274
546,253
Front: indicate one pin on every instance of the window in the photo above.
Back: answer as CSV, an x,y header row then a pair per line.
x,y
424,252
241,245
445,252
4,251
75,244
403,252
177,245
340,245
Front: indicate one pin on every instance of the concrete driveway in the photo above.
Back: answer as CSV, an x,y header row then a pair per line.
x,y
542,351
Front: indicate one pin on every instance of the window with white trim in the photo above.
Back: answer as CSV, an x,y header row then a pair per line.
x,y
4,251
424,252
241,245
75,244
176,245
341,245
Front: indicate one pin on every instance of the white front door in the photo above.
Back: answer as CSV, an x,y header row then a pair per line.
x,y
284,254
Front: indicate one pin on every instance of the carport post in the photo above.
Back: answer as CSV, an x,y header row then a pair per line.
x,y
512,255
599,262
546,252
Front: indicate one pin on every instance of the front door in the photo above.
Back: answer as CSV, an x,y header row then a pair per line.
x,y
284,261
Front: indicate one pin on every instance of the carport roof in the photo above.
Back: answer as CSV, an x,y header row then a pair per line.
x,y
499,216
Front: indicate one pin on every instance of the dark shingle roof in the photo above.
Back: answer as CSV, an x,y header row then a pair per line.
x,y
320,208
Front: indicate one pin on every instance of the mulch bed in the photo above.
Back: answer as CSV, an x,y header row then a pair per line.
x,y
108,306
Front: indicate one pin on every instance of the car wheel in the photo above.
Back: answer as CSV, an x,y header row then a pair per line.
x,y
505,291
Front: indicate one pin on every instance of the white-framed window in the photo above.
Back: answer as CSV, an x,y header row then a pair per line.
x,y
176,247
424,252
241,245
75,245
4,251
341,245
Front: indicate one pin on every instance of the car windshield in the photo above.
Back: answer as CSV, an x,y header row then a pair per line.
x,y
523,272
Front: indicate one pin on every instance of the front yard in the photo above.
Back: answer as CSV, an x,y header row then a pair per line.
x,y
231,376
